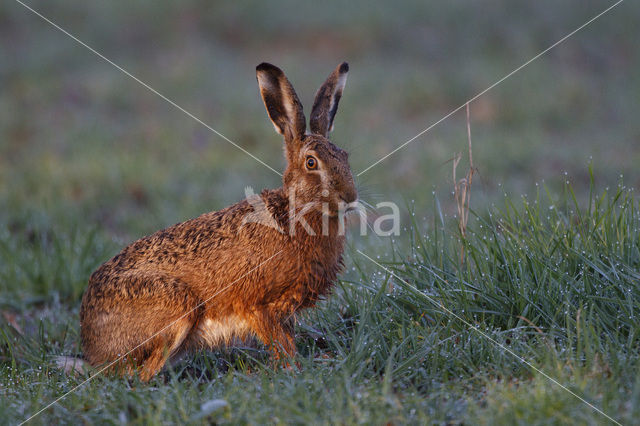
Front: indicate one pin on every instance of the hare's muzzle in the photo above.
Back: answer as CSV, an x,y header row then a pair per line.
x,y
349,196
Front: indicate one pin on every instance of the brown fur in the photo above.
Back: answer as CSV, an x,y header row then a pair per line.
x,y
215,278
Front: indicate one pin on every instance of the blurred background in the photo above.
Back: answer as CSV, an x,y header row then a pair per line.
x,y
86,150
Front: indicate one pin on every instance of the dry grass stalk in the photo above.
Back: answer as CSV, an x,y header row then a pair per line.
x,y
462,189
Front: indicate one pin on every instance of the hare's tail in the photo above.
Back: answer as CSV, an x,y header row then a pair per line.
x,y
70,364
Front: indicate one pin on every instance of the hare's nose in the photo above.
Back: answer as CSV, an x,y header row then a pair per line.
x,y
349,196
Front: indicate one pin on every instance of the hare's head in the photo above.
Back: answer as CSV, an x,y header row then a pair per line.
x,y
317,171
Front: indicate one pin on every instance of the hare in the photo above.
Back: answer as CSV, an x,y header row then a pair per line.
x,y
220,277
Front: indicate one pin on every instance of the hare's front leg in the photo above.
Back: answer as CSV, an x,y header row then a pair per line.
x,y
276,333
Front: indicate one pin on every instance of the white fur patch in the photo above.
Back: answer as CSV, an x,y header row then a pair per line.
x,y
342,81
222,331
266,86
71,365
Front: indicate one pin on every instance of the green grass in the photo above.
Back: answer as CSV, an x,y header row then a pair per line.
x,y
557,284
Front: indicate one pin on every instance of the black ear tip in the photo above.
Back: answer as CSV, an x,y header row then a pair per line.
x,y
344,67
265,66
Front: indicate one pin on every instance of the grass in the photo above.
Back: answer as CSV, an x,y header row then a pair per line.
x,y
555,283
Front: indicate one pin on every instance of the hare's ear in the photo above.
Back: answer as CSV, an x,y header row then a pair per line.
x,y
326,102
282,103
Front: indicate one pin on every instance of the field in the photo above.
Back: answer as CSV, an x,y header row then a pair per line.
x,y
538,324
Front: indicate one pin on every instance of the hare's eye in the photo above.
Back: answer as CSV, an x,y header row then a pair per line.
x,y
311,163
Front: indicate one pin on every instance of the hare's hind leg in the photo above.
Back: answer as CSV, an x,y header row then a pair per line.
x,y
158,351
138,323
160,348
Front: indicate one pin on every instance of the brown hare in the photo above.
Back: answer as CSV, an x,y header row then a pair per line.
x,y
219,277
